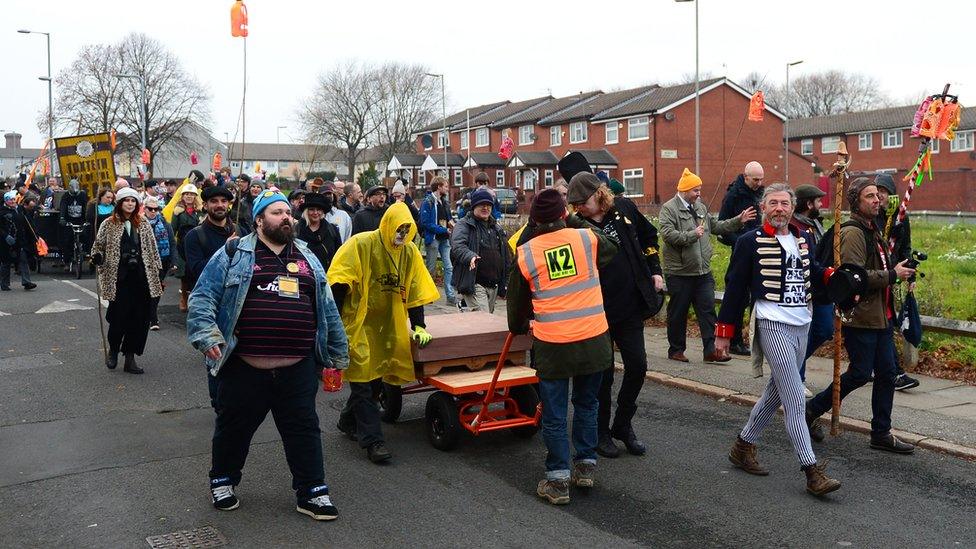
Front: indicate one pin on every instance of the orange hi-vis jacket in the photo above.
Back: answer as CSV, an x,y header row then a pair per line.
x,y
566,299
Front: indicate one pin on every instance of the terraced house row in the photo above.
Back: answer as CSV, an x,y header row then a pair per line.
x,y
642,136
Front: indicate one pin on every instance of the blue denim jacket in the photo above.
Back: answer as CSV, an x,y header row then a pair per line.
x,y
218,297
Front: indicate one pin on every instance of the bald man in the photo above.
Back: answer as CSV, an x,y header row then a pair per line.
x,y
743,192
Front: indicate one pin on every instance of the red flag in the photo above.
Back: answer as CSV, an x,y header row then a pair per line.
x,y
507,149
756,106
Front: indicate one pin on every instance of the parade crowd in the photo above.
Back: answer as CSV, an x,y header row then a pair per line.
x,y
283,291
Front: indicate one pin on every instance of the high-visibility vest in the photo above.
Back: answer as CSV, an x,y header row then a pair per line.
x,y
561,270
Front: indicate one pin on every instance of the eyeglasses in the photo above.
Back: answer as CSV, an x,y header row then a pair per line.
x,y
152,209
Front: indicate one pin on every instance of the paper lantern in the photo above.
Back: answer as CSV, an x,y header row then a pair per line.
x,y
111,139
218,160
145,157
756,107
194,158
238,20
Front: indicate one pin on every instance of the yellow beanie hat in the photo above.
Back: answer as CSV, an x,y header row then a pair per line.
x,y
688,181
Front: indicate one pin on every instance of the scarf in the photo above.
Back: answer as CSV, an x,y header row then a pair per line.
x,y
162,236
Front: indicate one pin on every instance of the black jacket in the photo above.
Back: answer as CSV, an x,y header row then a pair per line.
x,y
73,207
900,232
323,243
738,198
626,284
26,233
201,243
465,244
367,219
8,227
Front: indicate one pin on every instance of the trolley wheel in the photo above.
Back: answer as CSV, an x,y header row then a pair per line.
x,y
391,402
527,400
443,428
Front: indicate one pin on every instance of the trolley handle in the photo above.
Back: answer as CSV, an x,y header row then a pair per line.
x,y
494,379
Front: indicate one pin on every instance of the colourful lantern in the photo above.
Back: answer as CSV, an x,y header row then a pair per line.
x,y
145,157
218,160
111,138
194,159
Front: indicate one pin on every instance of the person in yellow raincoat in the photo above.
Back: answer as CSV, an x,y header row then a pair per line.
x,y
379,280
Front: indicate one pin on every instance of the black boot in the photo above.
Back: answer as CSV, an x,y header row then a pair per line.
x,y
606,447
112,360
130,364
634,446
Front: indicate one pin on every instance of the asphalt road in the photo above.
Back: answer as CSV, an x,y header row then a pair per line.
x,y
97,458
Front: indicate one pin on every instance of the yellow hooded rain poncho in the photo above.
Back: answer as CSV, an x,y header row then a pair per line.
x,y
384,281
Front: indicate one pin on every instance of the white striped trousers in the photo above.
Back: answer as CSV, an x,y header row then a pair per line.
x,y
784,346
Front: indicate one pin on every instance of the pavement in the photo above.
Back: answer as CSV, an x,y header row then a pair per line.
x,y
97,458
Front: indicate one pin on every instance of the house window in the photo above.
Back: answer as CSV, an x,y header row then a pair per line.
x,y
891,139
464,140
934,146
548,178
555,136
481,137
426,148
442,140
612,132
499,178
963,141
864,142
577,132
806,147
457,178
829,144
422,177
525,135
529,179
637,129
634,182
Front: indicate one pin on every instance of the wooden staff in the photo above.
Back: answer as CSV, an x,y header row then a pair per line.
x,y
839,174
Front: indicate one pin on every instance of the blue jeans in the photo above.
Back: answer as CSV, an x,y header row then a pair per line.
x,y
554,394
821,331
442,248
869,350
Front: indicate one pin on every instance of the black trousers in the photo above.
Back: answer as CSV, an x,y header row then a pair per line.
x,y
685,292
629,338
245,395
362,412
128,314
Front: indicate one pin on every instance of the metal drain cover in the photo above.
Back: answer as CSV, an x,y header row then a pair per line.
x,y
198,538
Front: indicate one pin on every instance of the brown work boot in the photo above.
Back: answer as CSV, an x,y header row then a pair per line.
x,y
743,456
818,483
183,299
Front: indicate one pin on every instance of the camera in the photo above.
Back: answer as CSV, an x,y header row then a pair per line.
x,y
914,260
129,259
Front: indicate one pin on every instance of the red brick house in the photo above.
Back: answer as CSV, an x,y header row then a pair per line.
x,y
643,137
879,140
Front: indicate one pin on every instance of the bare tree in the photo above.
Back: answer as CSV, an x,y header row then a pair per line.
x,y
828,92
407,100
93,98
340,110
753,81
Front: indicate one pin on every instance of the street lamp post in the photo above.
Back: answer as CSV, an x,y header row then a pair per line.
x,y
697,94
143,115
786,125
278,151
447,140
50,97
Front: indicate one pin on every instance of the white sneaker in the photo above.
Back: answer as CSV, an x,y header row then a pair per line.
x,y
806,392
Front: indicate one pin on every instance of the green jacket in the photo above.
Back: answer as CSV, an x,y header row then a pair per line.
x,y
873,308
560,360
683,253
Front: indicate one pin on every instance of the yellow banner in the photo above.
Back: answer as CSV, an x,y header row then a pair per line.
x,y
87,158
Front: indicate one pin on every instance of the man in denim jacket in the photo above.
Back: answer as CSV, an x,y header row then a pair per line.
x,y
265,318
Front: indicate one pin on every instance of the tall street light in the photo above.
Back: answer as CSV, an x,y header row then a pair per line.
x,y
697,110
447,141
786,125
50,97
278,151
143,115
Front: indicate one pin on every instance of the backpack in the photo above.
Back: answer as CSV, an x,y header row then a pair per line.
x,y
824,253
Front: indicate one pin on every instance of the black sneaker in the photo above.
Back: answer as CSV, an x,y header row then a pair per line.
x,y
319,508
378,453
30,286
224,498
903,382
740,349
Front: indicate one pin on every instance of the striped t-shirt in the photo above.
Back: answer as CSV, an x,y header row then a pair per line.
x,y
273,325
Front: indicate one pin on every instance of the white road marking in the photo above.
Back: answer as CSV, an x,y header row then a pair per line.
x,y
4,314
85,290
61,306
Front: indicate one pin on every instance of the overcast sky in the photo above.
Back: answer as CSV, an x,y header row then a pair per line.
x,y
490,51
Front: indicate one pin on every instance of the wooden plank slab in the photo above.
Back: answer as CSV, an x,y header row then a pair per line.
x,y
459,381
471,334
470,363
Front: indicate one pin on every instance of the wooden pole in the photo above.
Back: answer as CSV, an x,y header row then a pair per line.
x,y
839,173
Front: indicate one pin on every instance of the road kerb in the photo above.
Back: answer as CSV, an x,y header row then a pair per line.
x,y
846,423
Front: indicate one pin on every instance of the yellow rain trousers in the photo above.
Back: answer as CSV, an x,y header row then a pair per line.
x,y
384,281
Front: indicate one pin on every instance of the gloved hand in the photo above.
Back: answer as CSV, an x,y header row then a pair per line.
x,y
421,336
97,259
10,240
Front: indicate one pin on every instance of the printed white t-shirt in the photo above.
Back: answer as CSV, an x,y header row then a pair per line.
x,y
793,308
